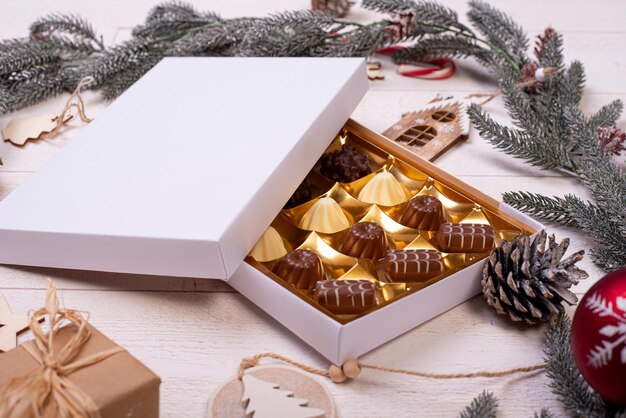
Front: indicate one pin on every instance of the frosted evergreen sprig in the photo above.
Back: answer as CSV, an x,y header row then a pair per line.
x,y
607,115
173,10
68,47
550,131
448,46
566,382
499,29
56,25
551,209
484,405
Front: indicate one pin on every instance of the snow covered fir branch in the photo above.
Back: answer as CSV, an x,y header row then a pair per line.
x,y
549,130
61,49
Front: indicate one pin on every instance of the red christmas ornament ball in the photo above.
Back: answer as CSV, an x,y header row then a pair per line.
x,y
599,337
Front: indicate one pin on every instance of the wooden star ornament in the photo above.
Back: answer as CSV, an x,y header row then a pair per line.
x,y
11,326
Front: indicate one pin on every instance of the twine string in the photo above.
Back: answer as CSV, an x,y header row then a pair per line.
x,y
75,101
254,361
500,373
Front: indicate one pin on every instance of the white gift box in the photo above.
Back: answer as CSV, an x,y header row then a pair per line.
x,y
182,174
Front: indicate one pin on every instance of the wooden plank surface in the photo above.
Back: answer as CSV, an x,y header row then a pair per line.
x,y
194,332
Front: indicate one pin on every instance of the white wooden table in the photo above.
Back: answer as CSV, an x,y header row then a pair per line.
x,y
193,333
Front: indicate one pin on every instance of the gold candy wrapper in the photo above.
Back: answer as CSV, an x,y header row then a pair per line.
x,y
411,173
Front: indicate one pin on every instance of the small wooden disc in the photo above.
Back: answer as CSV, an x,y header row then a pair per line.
x,y
226,403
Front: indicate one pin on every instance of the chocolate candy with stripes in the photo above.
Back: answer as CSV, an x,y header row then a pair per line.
x,y
413,265
346,296
465,238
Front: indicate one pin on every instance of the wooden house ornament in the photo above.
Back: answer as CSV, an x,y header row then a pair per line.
x,y
432,130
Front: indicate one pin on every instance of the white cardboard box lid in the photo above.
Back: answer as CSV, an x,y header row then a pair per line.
x,y
183,173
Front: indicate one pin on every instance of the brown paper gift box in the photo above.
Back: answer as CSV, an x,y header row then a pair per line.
x,y
120,385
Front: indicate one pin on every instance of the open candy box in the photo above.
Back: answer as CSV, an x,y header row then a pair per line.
x,y
358,255
367,227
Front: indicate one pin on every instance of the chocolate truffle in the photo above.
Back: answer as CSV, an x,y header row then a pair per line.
x,y
301,268
345,296
413,265
383,189
345,165
365,240
303,194
423,212
269,247
325,216
465,238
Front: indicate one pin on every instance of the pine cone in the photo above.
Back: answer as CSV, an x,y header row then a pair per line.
x,y
612,139
527,282
542,42
528,74
337,8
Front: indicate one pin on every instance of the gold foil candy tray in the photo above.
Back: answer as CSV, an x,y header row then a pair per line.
x,y
338,266
362,270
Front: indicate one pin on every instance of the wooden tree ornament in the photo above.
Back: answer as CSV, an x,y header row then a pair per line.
x,y
230,401
432,130
265,400
252,393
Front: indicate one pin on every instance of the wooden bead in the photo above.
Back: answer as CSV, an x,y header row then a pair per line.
x,y
336,374
540,74
351,368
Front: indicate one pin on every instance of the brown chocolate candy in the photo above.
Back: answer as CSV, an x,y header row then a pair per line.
x,y
303,194
365,240
465,238
345,165
413,265
301,268
345,296
423,212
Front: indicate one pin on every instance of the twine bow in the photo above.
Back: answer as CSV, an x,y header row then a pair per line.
x,y
28,394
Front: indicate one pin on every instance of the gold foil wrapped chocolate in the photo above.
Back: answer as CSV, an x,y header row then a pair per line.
x,y
269,247
383,189
414,258
326,216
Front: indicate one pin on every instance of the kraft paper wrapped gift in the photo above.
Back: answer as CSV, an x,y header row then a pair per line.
x,y
100,380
